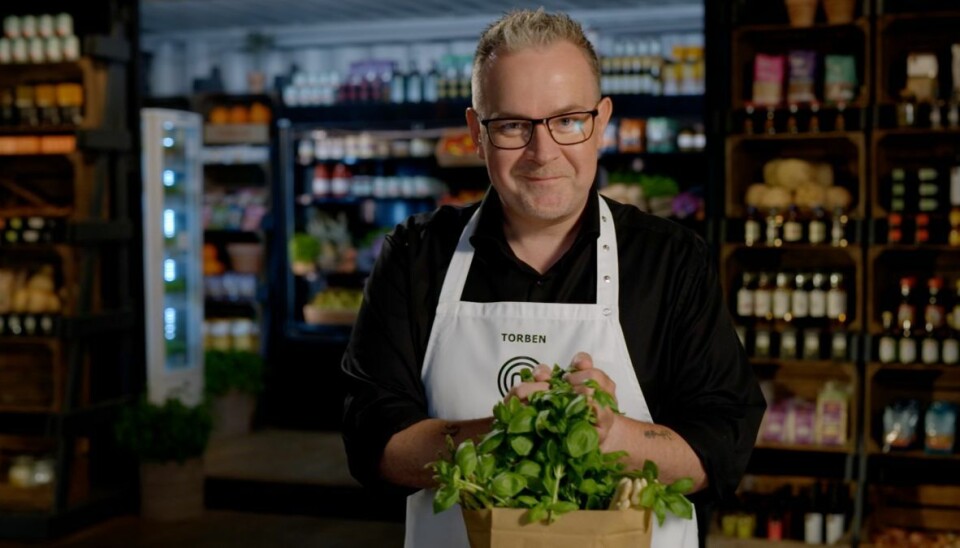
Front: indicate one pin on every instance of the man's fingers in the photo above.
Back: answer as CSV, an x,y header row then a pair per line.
x,y
525,389
581,361
542,373
577,378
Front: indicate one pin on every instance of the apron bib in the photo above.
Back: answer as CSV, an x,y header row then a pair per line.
x,y
476,352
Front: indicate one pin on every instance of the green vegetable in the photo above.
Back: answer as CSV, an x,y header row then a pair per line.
x,y
161,433
545,456
303,248
226,369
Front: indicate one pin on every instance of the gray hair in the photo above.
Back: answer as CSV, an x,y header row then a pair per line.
x,y
522,29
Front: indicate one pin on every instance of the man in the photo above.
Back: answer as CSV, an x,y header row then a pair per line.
x,y
545,271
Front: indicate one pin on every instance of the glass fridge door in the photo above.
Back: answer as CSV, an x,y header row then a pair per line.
x,y
172,235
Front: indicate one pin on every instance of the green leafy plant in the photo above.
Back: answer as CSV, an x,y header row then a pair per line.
x,y
232,369
162,433
545,456
303,248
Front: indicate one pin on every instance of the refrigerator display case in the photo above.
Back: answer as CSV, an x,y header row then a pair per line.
x,y
172,241
345,184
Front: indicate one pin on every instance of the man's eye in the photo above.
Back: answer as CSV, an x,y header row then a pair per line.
x,y
509,127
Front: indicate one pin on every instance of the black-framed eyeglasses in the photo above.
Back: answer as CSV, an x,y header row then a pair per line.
x,y
569,128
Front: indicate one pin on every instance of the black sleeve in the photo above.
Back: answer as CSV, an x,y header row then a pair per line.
x,y
382,369
715,402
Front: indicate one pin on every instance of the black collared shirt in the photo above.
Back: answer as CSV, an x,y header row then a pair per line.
x,y
681,339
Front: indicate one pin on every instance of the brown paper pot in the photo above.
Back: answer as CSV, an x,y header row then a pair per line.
x,y
232,414
839,11
504,528
170,491
801,12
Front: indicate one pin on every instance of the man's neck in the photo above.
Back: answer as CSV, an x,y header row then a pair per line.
x,y
540,245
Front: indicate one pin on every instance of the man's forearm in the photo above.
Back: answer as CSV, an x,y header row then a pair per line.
x,y
409,451
643,440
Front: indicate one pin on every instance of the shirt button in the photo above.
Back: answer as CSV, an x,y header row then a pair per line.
x,y
606,279
606,311
606,247
603,218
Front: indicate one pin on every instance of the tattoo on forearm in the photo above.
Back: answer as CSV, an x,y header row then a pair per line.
x,y
451,430
662,434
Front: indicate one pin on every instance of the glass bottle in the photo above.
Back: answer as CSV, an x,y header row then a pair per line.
x,y
837,299
792,126
817,228
934,313
922,234
752,227
887,347
749,112
907,310
745,298
792,229
818,296
770,123
907,345
800,300
762,342
774,228
930,347
838,228
894,228
762,297
814,125
811,344
898,189
788,341
782,296
954,320
950,350
840,122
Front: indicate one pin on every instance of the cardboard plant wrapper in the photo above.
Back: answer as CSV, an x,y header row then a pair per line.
x,y
507,528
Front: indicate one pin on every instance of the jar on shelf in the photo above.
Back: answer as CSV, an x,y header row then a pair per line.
x,y
243,335
21,471
220,335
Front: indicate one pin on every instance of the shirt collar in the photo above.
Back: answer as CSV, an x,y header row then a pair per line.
x,y
489,232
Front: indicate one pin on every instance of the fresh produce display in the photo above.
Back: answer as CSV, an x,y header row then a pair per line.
x,y
545,456
28,291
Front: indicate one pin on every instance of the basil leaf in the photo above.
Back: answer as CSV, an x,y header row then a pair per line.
x,y
576,406
507,484
521,423
444,498
582,438
679,506
648,496
682,485
466,457
528,468
491,441
650,471
485,467
563,506
588,486
522,445
526,501
537,513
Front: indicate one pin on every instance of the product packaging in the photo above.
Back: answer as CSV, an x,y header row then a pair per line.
x,y
840,80
768,71
922,71
900,424
832,415
940,426
803,67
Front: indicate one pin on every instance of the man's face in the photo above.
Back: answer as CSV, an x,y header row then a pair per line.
x,y
544,182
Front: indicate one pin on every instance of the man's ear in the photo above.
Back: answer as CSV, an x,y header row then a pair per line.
x,y
473,122
605,111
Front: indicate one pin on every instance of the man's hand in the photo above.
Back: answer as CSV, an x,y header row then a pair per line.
x,y
583,370
541,374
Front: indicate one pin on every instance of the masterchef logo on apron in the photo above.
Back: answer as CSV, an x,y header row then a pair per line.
x,y
509,375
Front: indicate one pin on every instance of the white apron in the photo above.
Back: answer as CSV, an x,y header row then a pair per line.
x,y
477,350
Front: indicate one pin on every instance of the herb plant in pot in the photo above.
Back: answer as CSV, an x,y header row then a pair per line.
x,y
169,440
538,479
232,380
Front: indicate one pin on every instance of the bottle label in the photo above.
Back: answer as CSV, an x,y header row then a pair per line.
x,y
836,527
761,303
818,303
800,304
907,350
818,232
761,344
836,304
745,302
813,528
751,232
934,314
930,351
905,313
811,345
838,346
781,303
887,352
792,231
951,351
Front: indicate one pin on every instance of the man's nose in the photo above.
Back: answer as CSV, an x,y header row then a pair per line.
x,y
542,147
